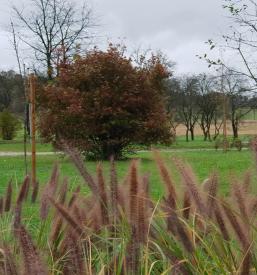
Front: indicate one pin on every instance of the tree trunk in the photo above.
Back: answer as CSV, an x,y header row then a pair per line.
x,y
49,68
217,129
235,128
205,135
209,135
192,133
208,132
173,132
204,131
187,139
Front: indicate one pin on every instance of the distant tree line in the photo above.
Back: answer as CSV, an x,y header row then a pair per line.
x,y
190,100
204,99
11,92
12,102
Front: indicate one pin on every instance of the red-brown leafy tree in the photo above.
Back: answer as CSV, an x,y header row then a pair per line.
x,y
102,103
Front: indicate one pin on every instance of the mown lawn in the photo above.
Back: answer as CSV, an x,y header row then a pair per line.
x,y
18,146
199,142
229,165
180,143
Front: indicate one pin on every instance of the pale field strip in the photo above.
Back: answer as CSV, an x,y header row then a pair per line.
x,y
247,127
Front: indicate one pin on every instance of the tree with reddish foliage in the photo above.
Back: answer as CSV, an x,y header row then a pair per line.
x,y
102,104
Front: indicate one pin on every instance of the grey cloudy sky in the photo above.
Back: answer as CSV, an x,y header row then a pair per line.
x,y
177,27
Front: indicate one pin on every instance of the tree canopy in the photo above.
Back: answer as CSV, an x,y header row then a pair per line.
x,y
102,103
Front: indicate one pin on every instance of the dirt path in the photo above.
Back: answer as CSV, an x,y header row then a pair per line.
x,y
19,154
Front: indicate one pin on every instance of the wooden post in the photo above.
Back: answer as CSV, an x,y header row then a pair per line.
x,y
32,81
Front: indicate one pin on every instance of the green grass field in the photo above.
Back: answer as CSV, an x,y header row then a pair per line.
x,y
230,166
204,162
180,143
19,147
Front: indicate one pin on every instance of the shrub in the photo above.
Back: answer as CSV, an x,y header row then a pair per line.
x,y
102,104
119,229
9,125
237,143
221,143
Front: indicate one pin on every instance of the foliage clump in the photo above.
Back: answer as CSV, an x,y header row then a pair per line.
x,y
102,103
9,125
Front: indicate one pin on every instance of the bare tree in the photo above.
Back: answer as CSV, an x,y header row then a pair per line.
x,y
238,99
241,40
187,101
54,30
217,122
173,98
209,105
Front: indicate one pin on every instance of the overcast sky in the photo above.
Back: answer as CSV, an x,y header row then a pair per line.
x,y
179,28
